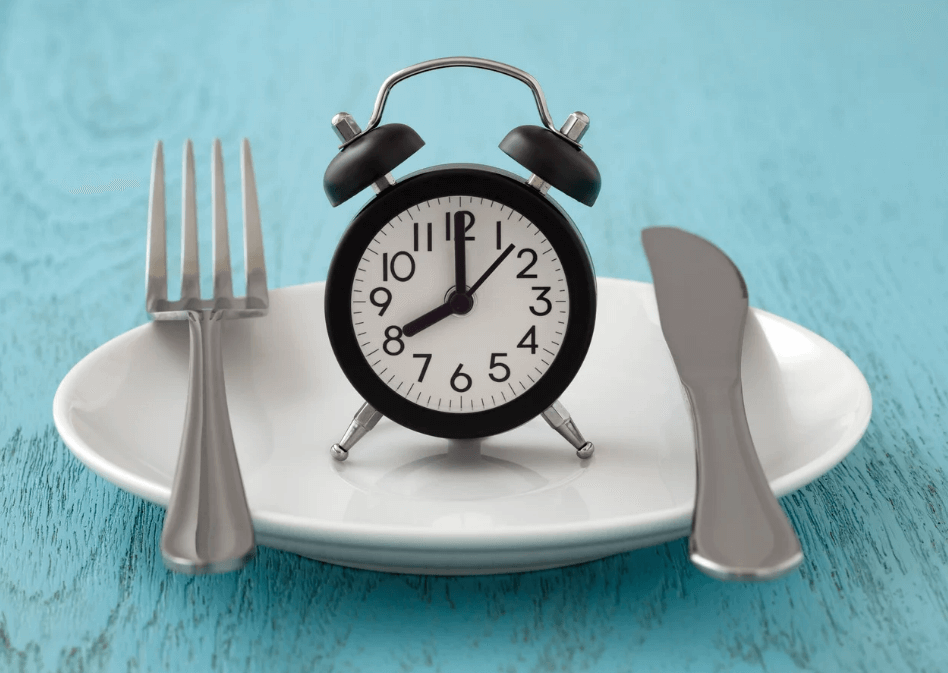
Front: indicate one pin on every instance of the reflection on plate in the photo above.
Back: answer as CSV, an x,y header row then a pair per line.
x,y
406,502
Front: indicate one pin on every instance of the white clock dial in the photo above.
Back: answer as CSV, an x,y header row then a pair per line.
x,y
469,362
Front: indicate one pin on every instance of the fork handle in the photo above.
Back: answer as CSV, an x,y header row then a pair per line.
x,y
739,530
207,527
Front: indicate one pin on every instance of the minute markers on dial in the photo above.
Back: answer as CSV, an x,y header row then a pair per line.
x,y
505,311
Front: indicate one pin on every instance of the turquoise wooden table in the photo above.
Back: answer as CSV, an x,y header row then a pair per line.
x,y
808,141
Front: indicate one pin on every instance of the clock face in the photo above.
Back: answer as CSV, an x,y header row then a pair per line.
x,y
468,363
481,350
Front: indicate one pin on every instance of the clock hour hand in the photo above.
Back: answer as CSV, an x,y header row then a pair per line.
x,y
491,269
428,319
459,302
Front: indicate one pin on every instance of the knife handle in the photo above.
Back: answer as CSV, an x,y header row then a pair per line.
x,y
739,531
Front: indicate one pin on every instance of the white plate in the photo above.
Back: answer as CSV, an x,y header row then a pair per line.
x,y
405,502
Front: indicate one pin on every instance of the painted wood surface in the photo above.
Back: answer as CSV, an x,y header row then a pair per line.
x,y
809,141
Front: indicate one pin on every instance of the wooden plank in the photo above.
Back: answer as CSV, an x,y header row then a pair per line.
x,y
809,142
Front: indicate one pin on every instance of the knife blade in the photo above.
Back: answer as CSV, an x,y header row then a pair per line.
x,y
739,531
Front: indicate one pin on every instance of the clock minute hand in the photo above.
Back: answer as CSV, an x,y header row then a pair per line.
x,y
491,269
460,258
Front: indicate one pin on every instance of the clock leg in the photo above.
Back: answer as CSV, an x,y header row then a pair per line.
x,y
364,420
559,419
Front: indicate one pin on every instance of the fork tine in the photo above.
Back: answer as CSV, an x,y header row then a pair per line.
x,y
190,266
257,296
223,286
156,267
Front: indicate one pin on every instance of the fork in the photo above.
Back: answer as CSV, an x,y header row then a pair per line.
x,y
207,527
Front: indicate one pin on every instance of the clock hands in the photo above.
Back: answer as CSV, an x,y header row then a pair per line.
x,y
428,319
491,269
459,302
460,258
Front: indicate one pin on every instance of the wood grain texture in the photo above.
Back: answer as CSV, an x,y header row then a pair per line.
x,y
809,142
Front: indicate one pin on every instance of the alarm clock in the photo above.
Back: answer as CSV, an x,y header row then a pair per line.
x,y
461,300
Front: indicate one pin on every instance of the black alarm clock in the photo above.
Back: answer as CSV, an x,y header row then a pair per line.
x,y
461,300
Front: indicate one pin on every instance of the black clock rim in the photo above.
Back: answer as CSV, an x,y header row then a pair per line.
x,y
477,181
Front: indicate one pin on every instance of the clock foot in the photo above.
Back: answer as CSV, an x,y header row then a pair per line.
x,y
364,420
586,450
559,419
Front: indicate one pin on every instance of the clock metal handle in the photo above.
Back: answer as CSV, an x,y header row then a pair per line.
x,y
463,62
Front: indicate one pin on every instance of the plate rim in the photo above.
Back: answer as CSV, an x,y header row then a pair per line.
x,y
511,537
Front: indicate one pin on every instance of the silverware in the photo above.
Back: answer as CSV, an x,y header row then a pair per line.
x,y
207,527
739,531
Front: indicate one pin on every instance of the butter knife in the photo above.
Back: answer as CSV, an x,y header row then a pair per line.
x,y
739,531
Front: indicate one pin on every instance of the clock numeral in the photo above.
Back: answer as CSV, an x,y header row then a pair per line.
x,y
494,364
542,297
498,234
458,374
460,215
533,254
386,266
424,367
416,237
395,337
529,340
383,304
